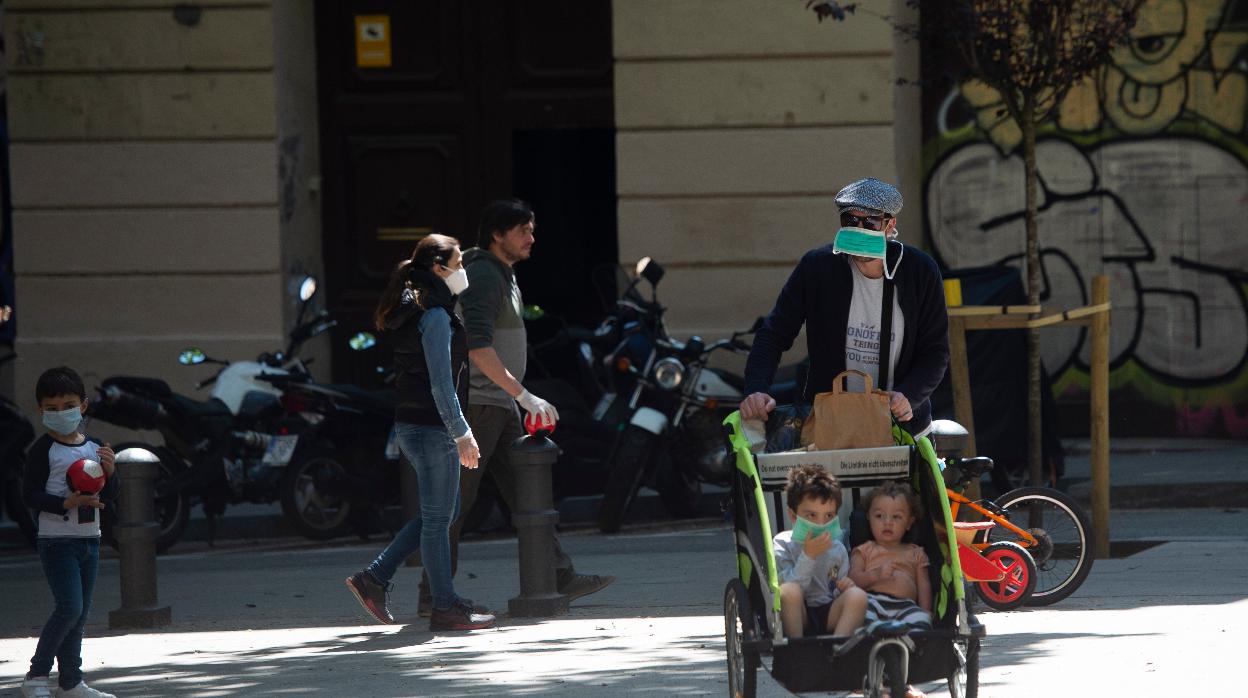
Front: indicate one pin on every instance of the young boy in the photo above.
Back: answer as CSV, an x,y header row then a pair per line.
x,y
816,594
893,573
69,530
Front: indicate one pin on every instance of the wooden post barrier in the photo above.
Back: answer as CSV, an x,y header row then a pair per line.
x,y
1099,388
960,376
1020,317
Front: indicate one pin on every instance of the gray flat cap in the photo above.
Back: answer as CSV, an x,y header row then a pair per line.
x,y
870,194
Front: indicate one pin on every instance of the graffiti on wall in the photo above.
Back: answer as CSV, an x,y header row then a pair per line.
x,y
1143,174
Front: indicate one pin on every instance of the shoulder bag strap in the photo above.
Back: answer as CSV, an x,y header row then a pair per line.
x,y
886,334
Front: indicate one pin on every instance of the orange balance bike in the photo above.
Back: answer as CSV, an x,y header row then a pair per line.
x,y
1039,536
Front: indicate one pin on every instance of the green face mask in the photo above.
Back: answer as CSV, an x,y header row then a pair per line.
x,y
861,242
803,529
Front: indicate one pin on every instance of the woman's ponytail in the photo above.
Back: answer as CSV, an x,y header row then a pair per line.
x,y
393,294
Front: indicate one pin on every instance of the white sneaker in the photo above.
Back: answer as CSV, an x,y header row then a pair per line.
x,y
82,690
36,687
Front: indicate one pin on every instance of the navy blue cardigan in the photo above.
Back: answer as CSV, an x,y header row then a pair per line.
x,y
818,293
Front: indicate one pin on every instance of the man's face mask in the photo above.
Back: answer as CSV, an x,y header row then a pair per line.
x,y
861,242
803,529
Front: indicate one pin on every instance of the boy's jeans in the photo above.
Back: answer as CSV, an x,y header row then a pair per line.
x,y
434,457
70,565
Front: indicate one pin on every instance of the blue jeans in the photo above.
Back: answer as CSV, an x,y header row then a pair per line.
x,y
434,457
70,565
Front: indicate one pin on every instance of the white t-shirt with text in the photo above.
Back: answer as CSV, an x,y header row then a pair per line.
x,y
862,333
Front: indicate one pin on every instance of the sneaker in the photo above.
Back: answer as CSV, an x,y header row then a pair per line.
x,y
82,690
584,584
425,608
460,616
36,687
372,595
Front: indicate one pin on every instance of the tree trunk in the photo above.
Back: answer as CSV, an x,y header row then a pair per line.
x,y
1034,426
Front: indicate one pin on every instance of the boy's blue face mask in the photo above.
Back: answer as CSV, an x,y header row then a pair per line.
x,y
861,242
63,422
803,529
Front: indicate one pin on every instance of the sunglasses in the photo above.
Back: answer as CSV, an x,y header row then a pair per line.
x,y
851,220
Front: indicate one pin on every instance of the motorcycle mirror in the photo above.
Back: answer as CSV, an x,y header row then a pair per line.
x,y
649,270
192,356
361,341
693,348
307,288
534,312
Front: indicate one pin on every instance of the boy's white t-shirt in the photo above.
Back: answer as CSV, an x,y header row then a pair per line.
x,y
862,333
60,457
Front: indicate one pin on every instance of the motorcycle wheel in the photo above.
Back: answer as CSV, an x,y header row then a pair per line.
x,y
172,508
314,511
624,474
17,511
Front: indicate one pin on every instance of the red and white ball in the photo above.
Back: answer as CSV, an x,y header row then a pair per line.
x,y
86,475
534,423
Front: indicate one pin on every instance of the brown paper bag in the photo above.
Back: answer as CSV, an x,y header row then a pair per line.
x,y
849,420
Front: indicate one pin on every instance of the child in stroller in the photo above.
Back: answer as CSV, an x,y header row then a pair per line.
x,y
817,595
893,572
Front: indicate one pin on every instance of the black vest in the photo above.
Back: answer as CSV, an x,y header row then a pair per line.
x,y
411,370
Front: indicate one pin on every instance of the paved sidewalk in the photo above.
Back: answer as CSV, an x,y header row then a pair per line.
x,y
280,621
1175,473
273,618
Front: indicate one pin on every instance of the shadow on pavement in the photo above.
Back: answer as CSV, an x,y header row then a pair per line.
x,y
407,662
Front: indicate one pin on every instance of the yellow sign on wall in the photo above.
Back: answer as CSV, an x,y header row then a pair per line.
x,y
372,41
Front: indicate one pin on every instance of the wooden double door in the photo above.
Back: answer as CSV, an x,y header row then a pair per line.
x,y
432,108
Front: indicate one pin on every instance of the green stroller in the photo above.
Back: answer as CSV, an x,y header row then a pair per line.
x,y
883,656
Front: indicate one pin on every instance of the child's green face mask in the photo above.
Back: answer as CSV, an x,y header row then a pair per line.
x,y
803,529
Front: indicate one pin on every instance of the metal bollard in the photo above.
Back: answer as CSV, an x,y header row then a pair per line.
x,y
535,521
136,537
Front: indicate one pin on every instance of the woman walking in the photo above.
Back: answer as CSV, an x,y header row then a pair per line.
x,y
431,373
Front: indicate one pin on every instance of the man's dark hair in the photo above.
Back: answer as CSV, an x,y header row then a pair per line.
x,y
61,380
499,217
811,481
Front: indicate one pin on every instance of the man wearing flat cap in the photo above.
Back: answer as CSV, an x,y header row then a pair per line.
x,y
838,292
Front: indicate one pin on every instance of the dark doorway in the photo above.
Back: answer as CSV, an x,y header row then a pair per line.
x,y
480,100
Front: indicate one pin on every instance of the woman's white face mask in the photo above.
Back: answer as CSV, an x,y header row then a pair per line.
x,y
457,282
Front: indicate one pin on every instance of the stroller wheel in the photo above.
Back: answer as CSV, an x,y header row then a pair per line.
x,y
740,626
886,672
1020,577
964,681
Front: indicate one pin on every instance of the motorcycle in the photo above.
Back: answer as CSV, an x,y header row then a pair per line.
x,y
230,448
345,471
675,408
568,370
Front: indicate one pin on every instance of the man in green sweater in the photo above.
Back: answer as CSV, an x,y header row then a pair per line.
x,y
492,309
